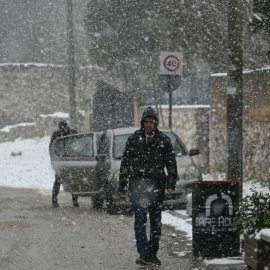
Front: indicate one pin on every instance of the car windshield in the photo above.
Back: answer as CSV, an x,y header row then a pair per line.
x,y
120,143
179,149
74,146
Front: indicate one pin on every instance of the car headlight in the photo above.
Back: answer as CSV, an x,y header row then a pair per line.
x,y
192,174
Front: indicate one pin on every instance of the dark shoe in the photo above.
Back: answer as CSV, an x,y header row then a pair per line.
x,y
76,204
155,260
55,204
143,261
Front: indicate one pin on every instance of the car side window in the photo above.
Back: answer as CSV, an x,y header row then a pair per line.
x,y
103,145
59,148
74,147
119,145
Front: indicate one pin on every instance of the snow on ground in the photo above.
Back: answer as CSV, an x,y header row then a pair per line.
x,y
25,163
179,224
248,186
31,169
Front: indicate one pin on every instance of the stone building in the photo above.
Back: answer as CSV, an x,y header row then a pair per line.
x,y
256,124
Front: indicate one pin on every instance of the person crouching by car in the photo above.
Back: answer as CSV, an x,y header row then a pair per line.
x,y
64,130
147,152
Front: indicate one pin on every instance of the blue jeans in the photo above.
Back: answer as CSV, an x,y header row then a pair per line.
x,y
140,207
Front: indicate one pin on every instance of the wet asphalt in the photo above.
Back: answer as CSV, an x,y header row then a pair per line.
x,y
33,235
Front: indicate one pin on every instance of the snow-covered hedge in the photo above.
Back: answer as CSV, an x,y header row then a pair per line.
x,y
254,213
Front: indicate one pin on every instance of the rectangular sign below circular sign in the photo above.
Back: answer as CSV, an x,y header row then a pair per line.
x,y
171,63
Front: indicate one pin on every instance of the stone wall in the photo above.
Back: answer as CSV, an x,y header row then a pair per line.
x,y
191,124
27,91
256,124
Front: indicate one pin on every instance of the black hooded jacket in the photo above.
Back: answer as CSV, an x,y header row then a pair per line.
x,y
147,161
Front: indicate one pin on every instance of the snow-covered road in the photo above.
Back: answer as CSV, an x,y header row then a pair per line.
x,y
25,163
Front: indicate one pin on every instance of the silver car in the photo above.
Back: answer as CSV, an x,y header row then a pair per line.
x,y
110,149
89,165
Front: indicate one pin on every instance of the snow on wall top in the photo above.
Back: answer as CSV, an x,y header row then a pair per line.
x,y
245,71
196,106
46,65
56,114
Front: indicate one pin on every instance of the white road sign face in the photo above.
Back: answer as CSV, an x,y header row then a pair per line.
x,y
171,63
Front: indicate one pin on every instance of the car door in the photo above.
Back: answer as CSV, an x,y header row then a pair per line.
x,y
73,159
103,169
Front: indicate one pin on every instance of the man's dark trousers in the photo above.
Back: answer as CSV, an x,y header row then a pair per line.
x,y
56,189
140,207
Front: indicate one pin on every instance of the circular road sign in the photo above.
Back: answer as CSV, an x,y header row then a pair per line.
x,y
171,63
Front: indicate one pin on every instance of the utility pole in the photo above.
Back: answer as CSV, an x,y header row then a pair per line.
x,y
71,65
235,93
170,101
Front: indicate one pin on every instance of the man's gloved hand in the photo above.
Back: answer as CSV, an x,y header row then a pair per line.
x,y
169,190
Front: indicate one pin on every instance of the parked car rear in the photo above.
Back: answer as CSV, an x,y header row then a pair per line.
x,y
73,158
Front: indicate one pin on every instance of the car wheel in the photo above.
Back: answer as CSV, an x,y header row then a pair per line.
x,y
180,206
111,206
97,202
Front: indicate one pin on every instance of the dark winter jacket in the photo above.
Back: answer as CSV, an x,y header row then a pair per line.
x,y
146,161
60,133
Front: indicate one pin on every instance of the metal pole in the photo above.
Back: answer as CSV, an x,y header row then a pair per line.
x,y
235,93
71,65
170,101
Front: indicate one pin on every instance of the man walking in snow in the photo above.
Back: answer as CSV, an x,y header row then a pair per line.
x,y
64,130
148,151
